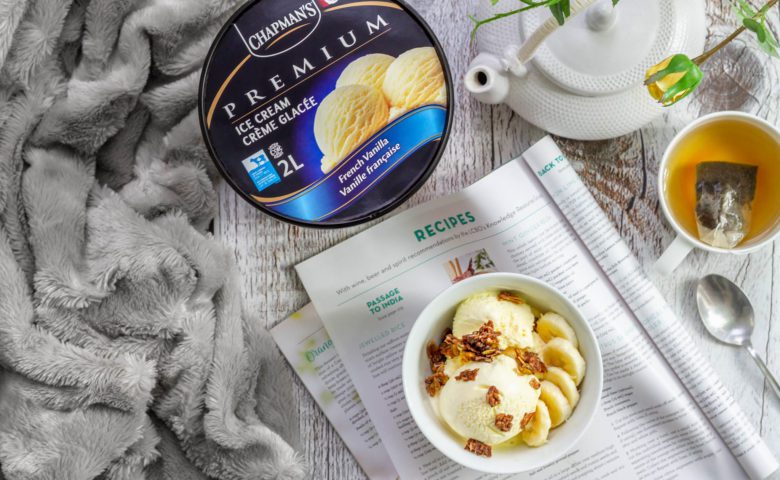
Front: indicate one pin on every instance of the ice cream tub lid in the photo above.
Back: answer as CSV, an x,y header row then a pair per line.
x,y
325,113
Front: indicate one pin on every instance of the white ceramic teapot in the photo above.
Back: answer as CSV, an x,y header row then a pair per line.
x,y
583,80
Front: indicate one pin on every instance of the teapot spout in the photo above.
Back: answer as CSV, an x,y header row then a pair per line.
x,y
487,79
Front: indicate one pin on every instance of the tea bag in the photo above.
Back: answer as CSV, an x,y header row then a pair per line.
x,y
724,197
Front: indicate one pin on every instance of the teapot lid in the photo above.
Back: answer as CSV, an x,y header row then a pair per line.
x,y
608,49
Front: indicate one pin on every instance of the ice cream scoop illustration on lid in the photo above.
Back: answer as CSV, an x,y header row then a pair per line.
x,y
345,119
583,80
368,70
325,113
415,78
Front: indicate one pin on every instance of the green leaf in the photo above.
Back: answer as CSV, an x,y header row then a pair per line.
x,y
678,63
751,25
767,40
684,86
769,43
761,32
743,9
557,12
755,21
529,4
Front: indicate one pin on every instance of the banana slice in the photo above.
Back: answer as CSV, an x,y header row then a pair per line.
x,y
535,433
551,325
536,343
561,353
556,402
563,381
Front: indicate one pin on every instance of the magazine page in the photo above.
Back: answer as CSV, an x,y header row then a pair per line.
x,y
305,343
369,290
656,316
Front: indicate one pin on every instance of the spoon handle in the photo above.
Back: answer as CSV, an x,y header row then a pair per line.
x,y
769,377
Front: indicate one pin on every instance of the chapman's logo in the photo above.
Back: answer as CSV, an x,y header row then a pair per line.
x,y
286,32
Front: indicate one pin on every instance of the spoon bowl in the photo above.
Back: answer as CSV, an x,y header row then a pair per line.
x,y
725,310
728,315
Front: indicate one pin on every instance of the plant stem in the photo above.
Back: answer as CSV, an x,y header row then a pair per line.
x,y
706,55
529,6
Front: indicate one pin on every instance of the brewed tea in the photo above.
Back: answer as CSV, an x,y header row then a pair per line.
x,y
730,141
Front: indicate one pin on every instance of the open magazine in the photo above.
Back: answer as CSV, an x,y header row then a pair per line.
x,y
664,413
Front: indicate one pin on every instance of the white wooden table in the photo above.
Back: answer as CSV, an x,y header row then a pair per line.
x,y
621,174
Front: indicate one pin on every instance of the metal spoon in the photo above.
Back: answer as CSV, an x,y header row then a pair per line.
x,y
728,316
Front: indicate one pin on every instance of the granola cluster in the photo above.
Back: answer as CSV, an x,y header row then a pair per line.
x,y
450,346
478,448
528,362
510,297
467,375
527,419
482,345
504,422
534,362
434,383
493,396
436,359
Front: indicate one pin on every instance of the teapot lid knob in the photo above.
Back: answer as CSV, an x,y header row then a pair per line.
x,y
601,16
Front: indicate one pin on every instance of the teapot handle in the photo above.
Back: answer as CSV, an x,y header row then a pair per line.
x,y
527,51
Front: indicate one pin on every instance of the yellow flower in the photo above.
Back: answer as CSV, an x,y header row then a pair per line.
x,y
673,79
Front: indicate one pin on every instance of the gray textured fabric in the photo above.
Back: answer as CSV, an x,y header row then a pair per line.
x,y
124,350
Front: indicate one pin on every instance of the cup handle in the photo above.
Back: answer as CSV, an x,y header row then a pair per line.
x,y
673,256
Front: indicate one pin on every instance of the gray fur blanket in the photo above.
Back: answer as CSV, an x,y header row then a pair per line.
x,y
124,350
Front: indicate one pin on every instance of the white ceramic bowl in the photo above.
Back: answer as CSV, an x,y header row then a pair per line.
x,y
437,317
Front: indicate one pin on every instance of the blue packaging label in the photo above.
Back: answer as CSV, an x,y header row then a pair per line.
x,y
261,170
325,111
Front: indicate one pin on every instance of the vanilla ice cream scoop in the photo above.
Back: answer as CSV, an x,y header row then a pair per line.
x,y
514,321
464,405
368,70
347,117
414,79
